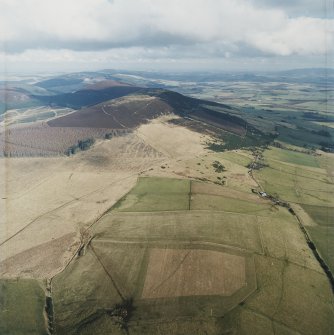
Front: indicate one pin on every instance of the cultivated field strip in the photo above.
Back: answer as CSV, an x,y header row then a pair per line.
x,y
42,140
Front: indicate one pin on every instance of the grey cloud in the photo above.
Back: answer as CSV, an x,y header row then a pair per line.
x,y
313,8
162,31
148,39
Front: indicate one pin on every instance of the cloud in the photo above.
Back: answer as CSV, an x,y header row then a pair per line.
x,y
158,28
303,36
295,8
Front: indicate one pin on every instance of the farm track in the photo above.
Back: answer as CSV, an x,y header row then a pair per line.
x,y
195,211
177,242
172,272
113,117
279,303
306,235
107,272
37,218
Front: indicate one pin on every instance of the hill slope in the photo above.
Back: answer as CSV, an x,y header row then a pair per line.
x,y
143,104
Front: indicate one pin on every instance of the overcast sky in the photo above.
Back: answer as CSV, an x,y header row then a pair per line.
x,y
72,35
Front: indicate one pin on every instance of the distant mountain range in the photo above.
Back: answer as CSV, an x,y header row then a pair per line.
x,y
79,89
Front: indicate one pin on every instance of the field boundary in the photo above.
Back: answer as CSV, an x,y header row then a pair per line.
x,y
306,235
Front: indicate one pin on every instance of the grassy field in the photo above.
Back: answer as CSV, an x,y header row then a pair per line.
x,y
110,278
216,273
305,180
322,215
218,203
221,228
304,184
242,158
153,194
282,288
199,271
323,237
158,194
21,307
184,271
242,265
292,157
297,189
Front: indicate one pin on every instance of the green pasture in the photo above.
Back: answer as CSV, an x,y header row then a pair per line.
x,y
322,215
292,157
220,203
222,228
323,238
156,194
295,187
236,158
293,296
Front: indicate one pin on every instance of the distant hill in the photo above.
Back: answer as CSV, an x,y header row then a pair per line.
x,y
104,84
56,82
136,106
87,97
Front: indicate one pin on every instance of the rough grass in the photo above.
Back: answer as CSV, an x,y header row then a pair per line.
x,y
161,186
21,307
80,292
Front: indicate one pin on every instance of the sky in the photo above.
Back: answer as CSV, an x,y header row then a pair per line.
x,y
166,35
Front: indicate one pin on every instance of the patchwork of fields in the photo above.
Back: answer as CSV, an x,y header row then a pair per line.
x,y
180,255
166,264
305,180
175,252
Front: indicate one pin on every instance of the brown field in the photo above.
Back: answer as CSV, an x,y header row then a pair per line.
x,y
43,140
188,272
